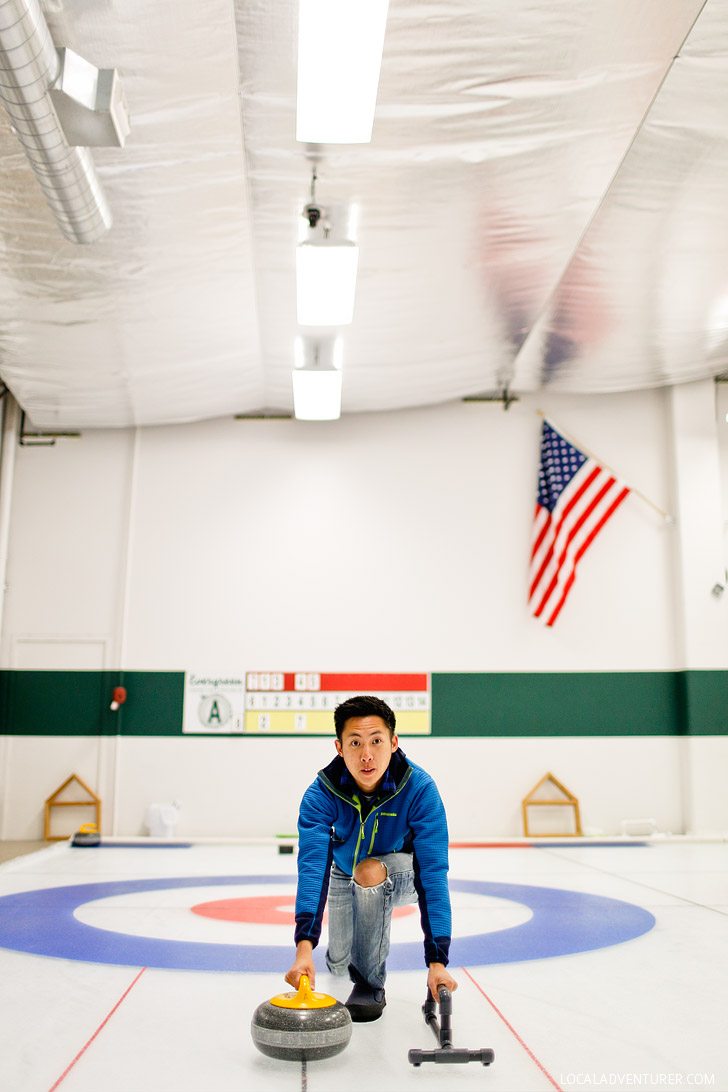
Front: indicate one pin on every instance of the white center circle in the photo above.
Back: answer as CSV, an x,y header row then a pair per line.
x,y
167,915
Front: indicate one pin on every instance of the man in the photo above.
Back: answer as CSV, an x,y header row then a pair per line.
x,y
373,835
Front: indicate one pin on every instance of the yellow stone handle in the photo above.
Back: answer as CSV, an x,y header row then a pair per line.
x,y
304,995
304,999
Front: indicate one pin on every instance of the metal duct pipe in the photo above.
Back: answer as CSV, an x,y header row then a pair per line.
x,y
29,67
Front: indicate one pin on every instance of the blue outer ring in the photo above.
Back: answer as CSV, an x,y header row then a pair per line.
x,y
42,922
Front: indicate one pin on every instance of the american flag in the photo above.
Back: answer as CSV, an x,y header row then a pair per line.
x,y
576,497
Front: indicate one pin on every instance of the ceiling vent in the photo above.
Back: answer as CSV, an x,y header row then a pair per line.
x,y
30,67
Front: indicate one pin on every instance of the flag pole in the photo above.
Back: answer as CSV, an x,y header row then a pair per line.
x,y
667,518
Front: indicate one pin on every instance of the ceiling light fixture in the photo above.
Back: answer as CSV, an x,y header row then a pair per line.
x,y
317,380
326,268
339,58
326,282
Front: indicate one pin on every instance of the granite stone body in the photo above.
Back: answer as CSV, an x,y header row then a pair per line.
x,y
300,1034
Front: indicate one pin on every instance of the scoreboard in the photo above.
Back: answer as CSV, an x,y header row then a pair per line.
x,y
303,702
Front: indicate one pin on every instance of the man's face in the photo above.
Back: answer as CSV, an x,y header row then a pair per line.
x,y
366,747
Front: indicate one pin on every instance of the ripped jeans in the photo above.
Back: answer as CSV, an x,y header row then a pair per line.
x,y
360,919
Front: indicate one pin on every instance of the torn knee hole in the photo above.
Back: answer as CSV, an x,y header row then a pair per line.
x,y
370,873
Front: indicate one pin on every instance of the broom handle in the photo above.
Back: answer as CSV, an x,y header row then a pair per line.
x,y
442,1029
445,999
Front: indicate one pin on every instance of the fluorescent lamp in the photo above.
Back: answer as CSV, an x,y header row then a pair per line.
x,y
326,283
317,378
317,394
339,57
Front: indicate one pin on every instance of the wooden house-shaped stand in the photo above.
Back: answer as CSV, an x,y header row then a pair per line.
x,y
550,793
60,799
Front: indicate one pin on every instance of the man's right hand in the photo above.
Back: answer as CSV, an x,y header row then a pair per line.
x,y
303,964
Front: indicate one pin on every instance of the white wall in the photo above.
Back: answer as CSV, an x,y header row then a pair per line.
x,y
226,789
721,413
482,781
388,542
392,541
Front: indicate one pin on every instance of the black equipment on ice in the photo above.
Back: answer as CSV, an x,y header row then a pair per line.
x,y
446,1054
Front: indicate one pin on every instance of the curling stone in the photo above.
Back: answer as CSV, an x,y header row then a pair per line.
x,y
301,1026
88,835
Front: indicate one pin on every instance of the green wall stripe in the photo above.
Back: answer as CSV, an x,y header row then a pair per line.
x,y
496,704
557,704
704,702
77,703
155,703
53,703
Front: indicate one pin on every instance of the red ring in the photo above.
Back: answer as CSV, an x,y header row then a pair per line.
x,y
264,910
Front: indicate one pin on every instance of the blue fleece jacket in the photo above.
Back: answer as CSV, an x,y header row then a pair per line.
x,y
407,815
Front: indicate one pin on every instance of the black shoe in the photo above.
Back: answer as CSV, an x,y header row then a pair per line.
x,y
365,1003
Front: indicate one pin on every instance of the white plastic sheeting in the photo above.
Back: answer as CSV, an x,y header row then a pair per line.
x,y
542,203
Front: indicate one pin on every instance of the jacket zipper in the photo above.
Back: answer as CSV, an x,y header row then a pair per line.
x,y
374,834
362,822
361,835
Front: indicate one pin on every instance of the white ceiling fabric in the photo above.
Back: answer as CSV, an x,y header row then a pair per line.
x,y
543,203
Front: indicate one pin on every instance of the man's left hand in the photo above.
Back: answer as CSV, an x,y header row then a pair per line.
x,y
438,975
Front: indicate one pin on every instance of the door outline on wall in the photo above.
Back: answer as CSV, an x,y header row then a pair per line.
x,y
54,643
